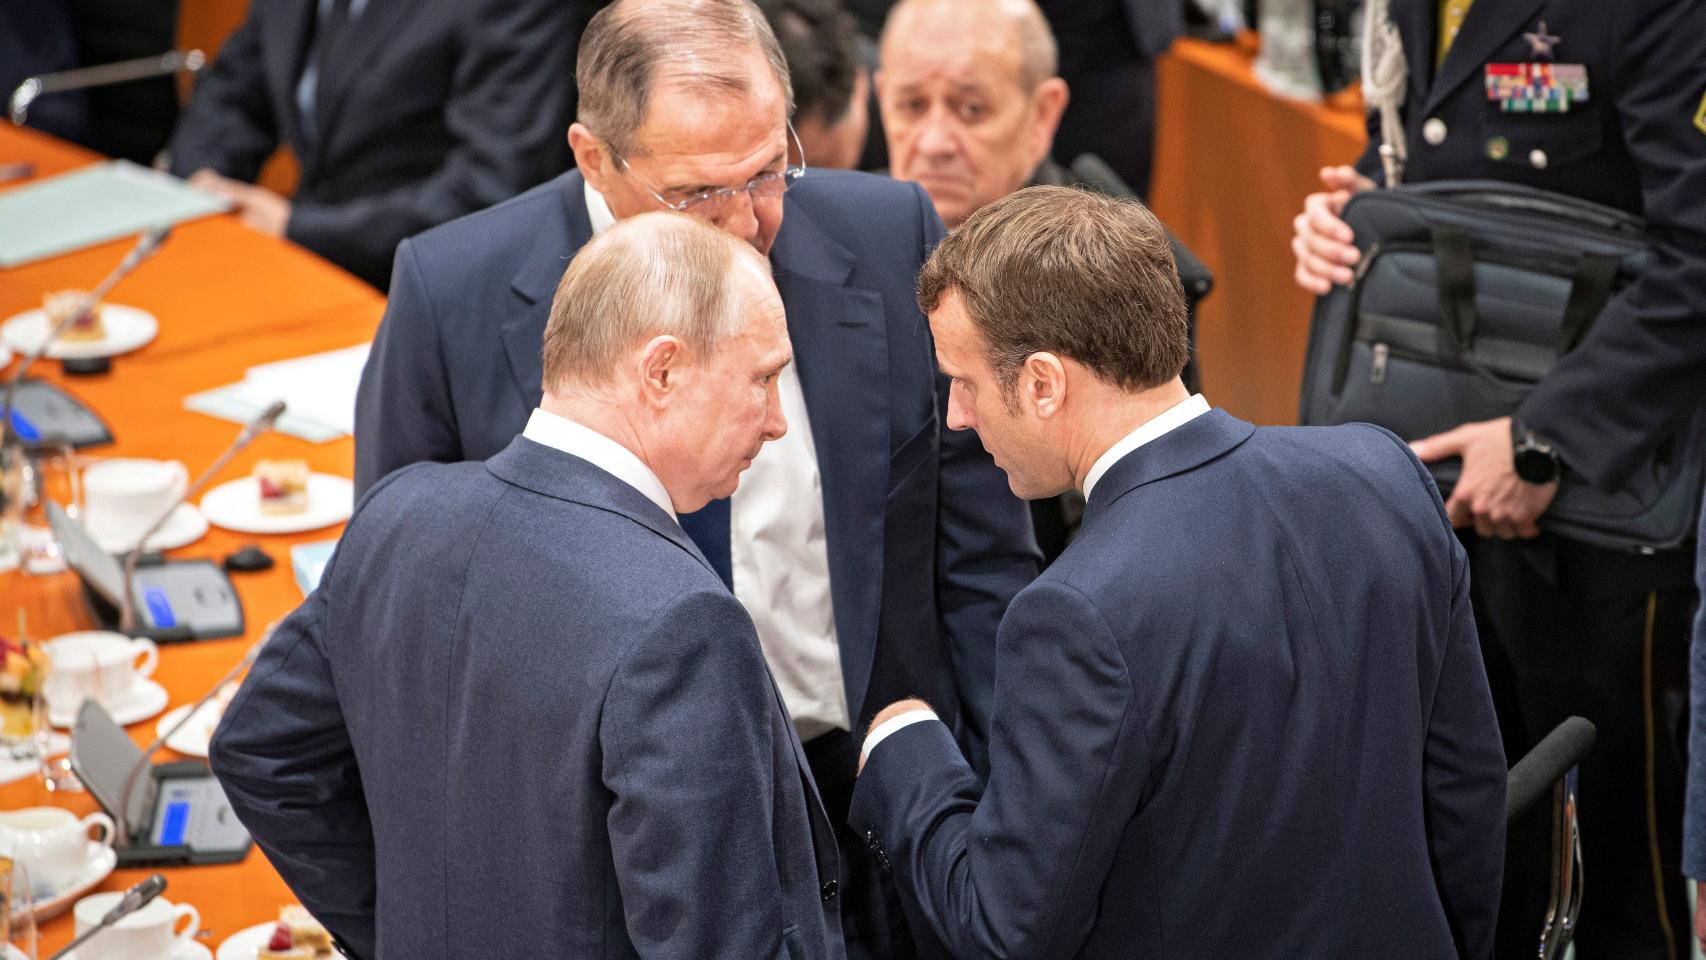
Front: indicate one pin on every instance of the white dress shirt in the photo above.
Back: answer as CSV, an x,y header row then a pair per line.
x,y
780,559
561,433
1170,419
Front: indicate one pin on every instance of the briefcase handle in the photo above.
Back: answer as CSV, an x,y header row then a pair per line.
x,y
1454,276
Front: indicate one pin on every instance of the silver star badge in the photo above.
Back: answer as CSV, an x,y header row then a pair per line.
x,y
1540,43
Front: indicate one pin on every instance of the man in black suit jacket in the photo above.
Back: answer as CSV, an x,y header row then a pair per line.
x,y
402,114
1244,714
874,552
1579,629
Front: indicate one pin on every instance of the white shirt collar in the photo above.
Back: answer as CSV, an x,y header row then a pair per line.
x,y
1173,417
598,211
561,433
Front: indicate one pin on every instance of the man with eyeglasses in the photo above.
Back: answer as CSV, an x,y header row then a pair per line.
x,y
875,551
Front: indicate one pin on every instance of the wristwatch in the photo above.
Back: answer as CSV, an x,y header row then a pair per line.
x,y
1536,461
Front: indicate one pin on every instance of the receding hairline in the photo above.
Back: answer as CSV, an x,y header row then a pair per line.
x,y
1029,35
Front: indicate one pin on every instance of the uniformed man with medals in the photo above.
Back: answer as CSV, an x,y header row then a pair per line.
x,y
1604,100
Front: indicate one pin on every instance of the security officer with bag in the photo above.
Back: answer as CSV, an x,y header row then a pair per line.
x,y
1606,102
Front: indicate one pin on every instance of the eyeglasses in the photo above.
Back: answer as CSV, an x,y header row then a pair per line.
x,y
713,203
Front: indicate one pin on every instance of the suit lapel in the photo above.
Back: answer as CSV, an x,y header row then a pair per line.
x,y
523,332
841,352
362,39
1180,450
283,60
1417,27
1489,24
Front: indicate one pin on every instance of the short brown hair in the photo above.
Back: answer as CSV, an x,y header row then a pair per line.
x,y
649,275
1070,272
631,45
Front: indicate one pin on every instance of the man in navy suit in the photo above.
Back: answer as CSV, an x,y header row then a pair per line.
x,y
874,552
1244,713
536,636
402,114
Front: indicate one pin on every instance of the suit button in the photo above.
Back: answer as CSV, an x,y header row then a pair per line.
x,y
871,840
830,889
1434,131
1538,159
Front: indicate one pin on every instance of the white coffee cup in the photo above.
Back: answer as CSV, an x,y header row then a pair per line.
x,y
96,663
152,933
52,844
123,497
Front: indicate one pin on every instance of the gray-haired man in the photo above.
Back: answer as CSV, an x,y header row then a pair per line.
x,y
521,717
874,550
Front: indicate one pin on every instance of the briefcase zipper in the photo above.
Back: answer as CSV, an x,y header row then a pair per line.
x,y
1377,369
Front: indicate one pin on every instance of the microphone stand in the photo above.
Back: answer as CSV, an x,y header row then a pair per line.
x,y
256,427
133,900
122,818
146,247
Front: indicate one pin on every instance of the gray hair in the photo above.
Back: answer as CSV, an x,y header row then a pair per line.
x,y
650,275
633,46
1039,57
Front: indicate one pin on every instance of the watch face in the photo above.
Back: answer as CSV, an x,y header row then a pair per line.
x,y
1536,466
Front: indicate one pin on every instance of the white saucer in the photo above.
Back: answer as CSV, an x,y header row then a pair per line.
x,y
185,526
237,506
193,738
181,950
127,329
97,867
5,356
145,699
12,769
246,944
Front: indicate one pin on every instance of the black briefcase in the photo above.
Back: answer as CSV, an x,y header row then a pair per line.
x,y
1467,294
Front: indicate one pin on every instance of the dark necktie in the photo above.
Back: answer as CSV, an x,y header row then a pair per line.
x,y
708,528
327,31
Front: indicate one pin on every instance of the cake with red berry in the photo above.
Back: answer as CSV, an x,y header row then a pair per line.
x,y
284,486
61,304
298,936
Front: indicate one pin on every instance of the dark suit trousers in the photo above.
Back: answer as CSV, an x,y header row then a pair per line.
x,y
1570,629
874,919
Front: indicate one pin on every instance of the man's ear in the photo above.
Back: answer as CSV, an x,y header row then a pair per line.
x,y
592,156
661,362
1042,384
1047,105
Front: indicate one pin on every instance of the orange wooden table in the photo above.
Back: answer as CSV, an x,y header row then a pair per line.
x,y
227,298
1233,163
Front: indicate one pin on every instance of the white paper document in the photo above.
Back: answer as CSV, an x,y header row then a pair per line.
x,y
318,392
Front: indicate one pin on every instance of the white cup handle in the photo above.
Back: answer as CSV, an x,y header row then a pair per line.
x,y
105,823
180,480
181,911
150,656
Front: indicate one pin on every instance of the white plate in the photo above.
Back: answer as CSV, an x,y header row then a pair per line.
x,y
185,526
237,506
5,356
181,950
145,699
192,740
13,769
127,329
96,868
246,944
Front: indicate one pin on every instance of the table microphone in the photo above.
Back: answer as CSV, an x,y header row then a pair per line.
x,y
121,816
133,900
254,428
146,247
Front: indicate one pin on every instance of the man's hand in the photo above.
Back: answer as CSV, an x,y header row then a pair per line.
x,y
259,208
1324,245
888,713
1489,495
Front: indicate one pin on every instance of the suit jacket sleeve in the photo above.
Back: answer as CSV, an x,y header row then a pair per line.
x,y
1610,402
688,735
1016,872
284,758
986,552
1694,822
403,413
507,115
1464,779
229,126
